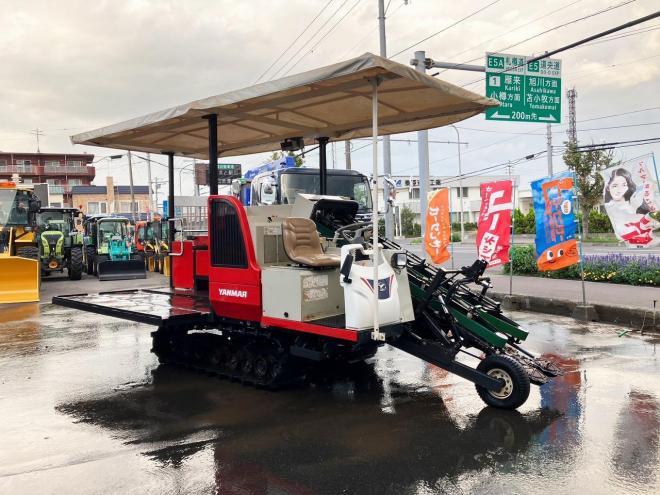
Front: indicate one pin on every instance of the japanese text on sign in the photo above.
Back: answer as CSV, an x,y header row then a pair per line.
x,y
527,92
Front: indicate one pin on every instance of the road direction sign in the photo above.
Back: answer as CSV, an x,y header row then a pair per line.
x,y
527,92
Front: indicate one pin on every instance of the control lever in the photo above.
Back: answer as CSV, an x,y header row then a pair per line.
x,y
345,269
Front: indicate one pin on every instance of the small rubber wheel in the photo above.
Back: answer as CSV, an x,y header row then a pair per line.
x,y
515,387
234,362
261,368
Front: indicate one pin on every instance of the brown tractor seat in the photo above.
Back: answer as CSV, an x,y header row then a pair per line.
x,y
303,245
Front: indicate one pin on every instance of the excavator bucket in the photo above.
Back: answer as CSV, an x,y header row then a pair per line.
x,y
19,280
121,270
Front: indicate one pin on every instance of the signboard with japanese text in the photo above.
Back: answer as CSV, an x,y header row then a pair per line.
x,y
438,228
630,196
527,92
227,172
556,246
494,232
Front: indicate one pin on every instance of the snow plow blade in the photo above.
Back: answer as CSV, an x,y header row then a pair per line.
x,y
121,270
19,280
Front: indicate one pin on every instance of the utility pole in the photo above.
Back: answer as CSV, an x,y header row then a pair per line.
x,y
423,155
387,157
157,184
130,178
548,133
347,153
37,133
151,203
460,182
196,191
571,94
513,225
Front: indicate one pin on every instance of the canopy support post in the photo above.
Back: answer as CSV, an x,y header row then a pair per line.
x,y
376,334
213,153
323,164
170,207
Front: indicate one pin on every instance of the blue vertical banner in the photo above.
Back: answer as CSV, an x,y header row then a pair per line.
x,y
554,202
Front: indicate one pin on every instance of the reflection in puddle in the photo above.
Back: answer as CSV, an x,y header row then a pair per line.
x,y
316,440
20,329
635,444
565,394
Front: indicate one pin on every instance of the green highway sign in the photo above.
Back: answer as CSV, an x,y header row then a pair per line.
x,y
526,92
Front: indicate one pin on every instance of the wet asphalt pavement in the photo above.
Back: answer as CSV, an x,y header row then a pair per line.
x,y
85,408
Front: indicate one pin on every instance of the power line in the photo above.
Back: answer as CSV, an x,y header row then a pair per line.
x,y
632,33
509,31
612,66
619,126
559,26
324,36
294,41
447,27
371,32
580,42
309,40
538,133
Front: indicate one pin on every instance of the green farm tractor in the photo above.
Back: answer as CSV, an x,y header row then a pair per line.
x,y
109,251
60,241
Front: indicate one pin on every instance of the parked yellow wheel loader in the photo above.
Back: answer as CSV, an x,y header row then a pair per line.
x,y
19,252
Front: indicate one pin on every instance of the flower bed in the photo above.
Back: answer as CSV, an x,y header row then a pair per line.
x,y
615,268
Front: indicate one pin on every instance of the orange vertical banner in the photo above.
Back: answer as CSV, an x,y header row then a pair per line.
x,y
438,228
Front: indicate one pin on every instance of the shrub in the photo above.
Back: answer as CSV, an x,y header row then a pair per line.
x,y
524,223
523,259
599,222
467,226
614,268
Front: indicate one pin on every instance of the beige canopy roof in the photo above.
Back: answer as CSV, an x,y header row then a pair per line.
x,y
332,101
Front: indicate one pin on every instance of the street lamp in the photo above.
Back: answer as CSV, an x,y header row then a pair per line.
x,y
460,180
180,171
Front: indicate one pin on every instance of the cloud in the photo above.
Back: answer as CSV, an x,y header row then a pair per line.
x,y
74,65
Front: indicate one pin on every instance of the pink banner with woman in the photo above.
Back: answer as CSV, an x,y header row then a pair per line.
x,y
630,196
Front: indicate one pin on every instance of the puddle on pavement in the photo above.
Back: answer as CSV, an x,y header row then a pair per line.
x,y
392,425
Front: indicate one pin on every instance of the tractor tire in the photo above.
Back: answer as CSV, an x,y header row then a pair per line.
x,y
161,264
515,390
90,253
75,268
31,252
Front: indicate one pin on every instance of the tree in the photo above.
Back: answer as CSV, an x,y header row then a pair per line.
x,y
276,155
587,166
407,222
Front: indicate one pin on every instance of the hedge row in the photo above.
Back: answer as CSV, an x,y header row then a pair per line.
x,y
614,268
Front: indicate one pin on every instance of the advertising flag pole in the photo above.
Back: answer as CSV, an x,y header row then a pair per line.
x,y
451,233
513,229
655,167
581,253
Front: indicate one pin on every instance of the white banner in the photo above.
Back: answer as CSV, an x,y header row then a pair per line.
x,y
630,195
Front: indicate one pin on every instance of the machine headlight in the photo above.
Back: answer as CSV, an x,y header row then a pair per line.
x,y
399,260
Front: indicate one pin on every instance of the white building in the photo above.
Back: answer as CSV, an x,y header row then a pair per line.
x,y
407,193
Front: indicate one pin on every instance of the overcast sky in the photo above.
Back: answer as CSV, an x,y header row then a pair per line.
x,y
74,65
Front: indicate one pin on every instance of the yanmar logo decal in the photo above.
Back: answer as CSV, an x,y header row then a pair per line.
x,y
233,293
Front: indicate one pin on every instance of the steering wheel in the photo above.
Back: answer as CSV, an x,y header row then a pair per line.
x,y
354,231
